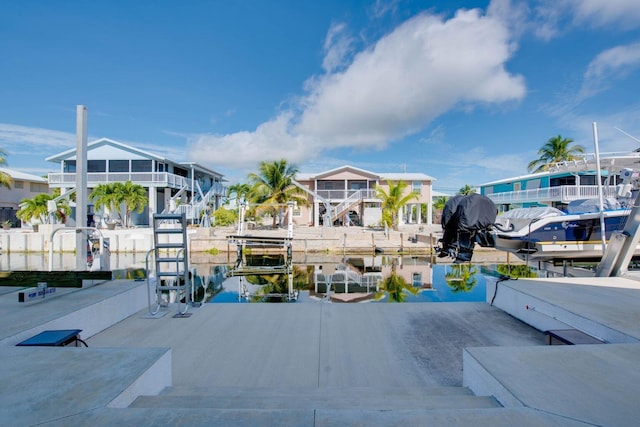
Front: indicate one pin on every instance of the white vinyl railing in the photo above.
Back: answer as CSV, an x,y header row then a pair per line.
x,y
146,179
339,195
565,194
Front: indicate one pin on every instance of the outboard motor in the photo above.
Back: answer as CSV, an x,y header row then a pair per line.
x,y
466,220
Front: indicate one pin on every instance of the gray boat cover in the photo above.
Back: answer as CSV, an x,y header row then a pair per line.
x,y
474,212
530,213
592,205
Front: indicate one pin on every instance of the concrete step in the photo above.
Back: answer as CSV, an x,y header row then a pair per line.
x,y
359,398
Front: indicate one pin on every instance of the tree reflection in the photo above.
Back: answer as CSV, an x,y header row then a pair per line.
x,y
462,277
516,271
278,284
396,287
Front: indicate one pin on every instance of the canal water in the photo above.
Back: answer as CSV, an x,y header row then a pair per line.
x,y
311,278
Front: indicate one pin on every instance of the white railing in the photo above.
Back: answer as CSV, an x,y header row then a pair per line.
x,y
565,194
146,179
339,195
346,204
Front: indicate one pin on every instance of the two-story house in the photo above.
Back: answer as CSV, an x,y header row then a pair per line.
x,y
350,192
176,186
24,186
562,183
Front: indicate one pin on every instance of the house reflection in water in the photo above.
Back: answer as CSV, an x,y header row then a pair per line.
x,y
353,280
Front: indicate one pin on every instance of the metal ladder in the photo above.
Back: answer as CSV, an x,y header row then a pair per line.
x,y
171,258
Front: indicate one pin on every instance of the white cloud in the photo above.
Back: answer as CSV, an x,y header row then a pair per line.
x,y
422,69
383,7
549,15
608,66
337,47
270,141
396,87
599,13
27,140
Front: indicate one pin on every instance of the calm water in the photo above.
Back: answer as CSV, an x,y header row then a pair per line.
x,y
417,278
420,281
441,289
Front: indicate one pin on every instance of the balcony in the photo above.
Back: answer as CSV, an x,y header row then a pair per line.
x,y
563,194
146,179
340,195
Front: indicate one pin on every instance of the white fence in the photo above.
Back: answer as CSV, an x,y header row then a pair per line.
x,y
565,194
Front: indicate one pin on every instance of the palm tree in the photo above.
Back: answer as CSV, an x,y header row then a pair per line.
x,y
466,190
556,150
133,196
438,206
37,209
105,196
393,201
273,184
5,178
117,195
240,190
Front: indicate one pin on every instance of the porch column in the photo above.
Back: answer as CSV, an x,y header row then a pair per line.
x,y
430,213
153,203
419,214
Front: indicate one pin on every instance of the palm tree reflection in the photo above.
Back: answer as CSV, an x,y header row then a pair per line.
x,y
396,287
516,271
462,277
275,287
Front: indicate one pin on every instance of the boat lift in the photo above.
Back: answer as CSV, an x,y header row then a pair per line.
x,y
261,255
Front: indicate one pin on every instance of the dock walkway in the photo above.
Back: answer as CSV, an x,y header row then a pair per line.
x,y
324,364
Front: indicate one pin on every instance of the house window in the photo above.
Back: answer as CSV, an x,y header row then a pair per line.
x,y
563,180
118,165
69,166
18,184
96,165
534,184
36,187
141,166
517,186
180,171
161,167
416,281
417,186
297,212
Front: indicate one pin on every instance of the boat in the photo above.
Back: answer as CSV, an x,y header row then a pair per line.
x,y
466,220
546,233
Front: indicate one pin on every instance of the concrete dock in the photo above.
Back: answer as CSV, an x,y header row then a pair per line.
x,y
326,364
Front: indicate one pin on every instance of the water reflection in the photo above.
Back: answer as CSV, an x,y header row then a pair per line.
x,y
313,278
357,279
462,277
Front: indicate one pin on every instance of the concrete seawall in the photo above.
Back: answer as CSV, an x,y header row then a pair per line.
x,y
409,239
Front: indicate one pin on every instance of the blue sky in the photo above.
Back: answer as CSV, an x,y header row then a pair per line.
x,y
463,91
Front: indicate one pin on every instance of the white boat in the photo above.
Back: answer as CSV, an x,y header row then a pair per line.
x,y
546,233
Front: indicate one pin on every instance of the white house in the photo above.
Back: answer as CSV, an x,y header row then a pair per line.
x,y
190,186
24,186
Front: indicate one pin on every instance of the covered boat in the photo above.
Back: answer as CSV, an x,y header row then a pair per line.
x,y
546,233
466,220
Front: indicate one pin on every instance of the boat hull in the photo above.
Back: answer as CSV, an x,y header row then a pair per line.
x,y
562,237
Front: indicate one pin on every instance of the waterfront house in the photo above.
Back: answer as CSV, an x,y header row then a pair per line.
x,y
350,192
563,183
177,186
24,186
